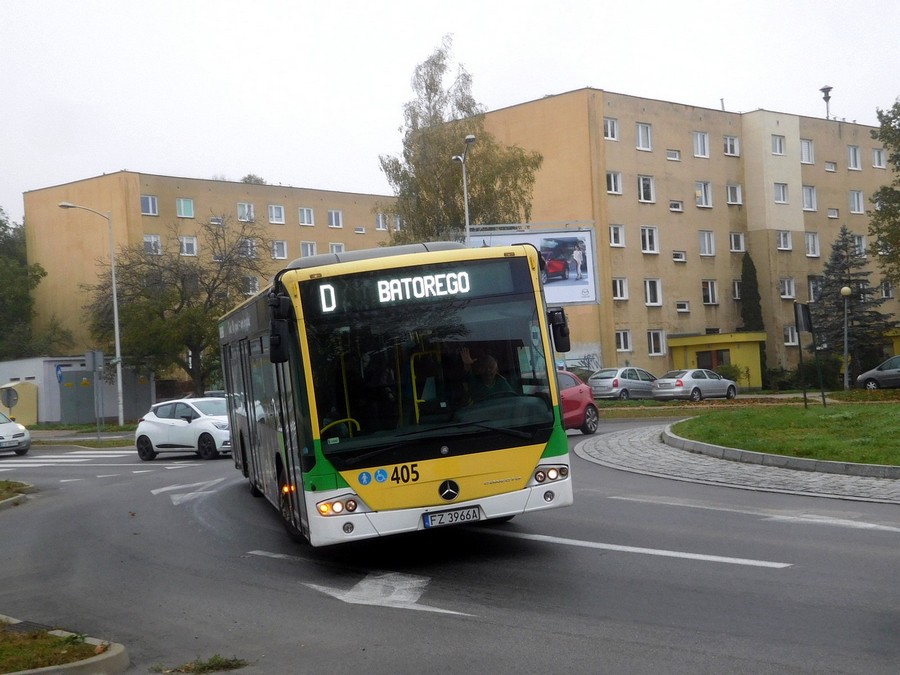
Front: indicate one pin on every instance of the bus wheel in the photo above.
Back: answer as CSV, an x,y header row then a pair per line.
x,y
206,447
255,491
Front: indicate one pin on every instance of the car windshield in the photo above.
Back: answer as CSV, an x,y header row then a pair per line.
x,y
607,374
674,374
211,406
4,419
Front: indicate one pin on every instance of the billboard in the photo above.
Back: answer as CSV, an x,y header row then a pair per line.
x,y
570,275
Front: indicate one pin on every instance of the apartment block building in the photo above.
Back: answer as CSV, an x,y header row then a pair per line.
x,y
143,209
675,195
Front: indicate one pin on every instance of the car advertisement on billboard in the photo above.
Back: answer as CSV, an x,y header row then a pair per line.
x,y
569,274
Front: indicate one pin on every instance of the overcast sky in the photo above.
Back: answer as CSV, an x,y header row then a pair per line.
x,y
309,94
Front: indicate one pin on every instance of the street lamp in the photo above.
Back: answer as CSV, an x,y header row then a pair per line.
x,y
462,160
845,293
115,299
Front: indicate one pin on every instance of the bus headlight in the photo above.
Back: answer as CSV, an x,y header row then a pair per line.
x,y
549,474
335,507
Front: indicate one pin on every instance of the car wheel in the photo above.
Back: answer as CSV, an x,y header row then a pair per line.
x,y
624,395
696,395
591,420
731,393
871,384
206,447
145,449
21,451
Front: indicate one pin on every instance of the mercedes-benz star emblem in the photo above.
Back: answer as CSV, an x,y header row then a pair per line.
x,y
448,490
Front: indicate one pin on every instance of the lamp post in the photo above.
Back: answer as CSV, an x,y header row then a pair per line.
x,y
115,299
845,293
462,160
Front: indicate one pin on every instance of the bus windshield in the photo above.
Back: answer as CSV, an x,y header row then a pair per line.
x,y
402,372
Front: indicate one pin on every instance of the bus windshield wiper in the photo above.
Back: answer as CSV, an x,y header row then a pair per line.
x,y
480,424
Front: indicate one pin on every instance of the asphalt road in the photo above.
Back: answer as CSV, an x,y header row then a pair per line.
x,y
177,561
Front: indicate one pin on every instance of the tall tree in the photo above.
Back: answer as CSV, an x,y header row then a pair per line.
x,y
884,220
866,325
18,279
170,298
428,184
751,307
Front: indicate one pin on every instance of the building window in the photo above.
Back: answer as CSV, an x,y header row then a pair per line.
x,y
247,248
251,285
878,158
646,189
733,194
856,202
859,245
306,216
710,292
381,222
307,249
736,242
620,288
701,144
676,205
656,344
834,213
614,182
814,287
809,198
790,335
781,193
652,292
184,208
335,248
359,229
732,146
679,256
736,287
649,239
854,158
335,218
831,167
644,137
807,151
610,128
623,341
398,223
219,221
784,240
617,235
786,288
279,250
812,244
682,306
703,194
707,242
152,244
777,144
246,213
887,289
149,205
187,246
276,214
673,155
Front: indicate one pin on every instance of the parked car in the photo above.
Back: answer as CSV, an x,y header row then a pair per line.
x,y
13,436
885,375
579,410
184,425
694,385
622,383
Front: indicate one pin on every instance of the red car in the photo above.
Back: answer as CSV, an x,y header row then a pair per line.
x,y
554,268
577,400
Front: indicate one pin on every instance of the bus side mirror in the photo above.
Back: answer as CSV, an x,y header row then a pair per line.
x,y
279,335
559,329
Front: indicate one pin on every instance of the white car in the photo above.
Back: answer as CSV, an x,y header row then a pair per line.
x,y
13,436
184,425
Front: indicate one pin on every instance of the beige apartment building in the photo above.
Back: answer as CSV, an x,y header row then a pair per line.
x,y
674,195
142,208
666,198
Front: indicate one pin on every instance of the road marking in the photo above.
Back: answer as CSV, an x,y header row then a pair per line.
x,y
803,518
645,551
203,489
382,589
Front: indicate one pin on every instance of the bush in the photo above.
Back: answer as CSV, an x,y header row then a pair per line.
x,y
731,371
780,379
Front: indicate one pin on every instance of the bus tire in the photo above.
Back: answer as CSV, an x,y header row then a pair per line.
x,y
255,491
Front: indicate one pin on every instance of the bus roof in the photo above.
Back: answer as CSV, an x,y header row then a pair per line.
x,y
369,253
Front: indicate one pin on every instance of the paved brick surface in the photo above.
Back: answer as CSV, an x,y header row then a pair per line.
x,y
641,450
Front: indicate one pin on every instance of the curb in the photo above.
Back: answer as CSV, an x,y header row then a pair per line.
x,y
112,661
17,500
780,461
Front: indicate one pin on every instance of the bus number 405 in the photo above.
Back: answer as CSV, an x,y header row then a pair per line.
x,y
405,474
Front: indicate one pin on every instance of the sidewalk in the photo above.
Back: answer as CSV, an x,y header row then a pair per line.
x,y
651,450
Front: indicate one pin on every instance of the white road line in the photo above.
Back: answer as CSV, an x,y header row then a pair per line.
x,y
645,551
